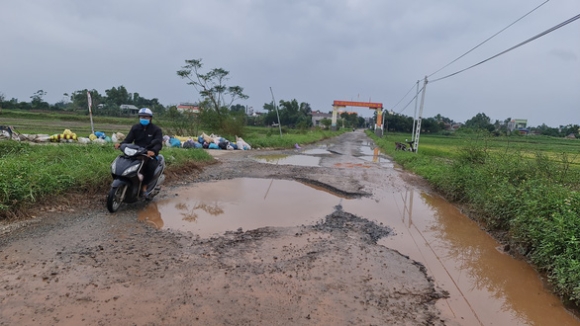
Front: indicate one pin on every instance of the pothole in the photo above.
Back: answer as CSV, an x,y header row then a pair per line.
x,y
213,208
299,160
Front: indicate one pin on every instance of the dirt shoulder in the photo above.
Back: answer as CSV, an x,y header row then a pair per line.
x,y
87,266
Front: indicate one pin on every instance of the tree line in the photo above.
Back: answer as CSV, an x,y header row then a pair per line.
x,y
218,111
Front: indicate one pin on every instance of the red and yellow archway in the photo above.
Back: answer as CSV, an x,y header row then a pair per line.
x,y
373,106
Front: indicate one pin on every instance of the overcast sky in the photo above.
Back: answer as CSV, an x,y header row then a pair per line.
x,y
315,51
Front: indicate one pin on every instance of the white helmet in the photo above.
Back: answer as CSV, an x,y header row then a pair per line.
x,y
145,112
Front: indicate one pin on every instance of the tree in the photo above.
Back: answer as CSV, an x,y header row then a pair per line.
x,y
79,100
211,86
326,123
293,114
238,108
37,102
119,95
480,121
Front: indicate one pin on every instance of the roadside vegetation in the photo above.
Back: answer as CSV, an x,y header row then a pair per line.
x,y
527,188
30,173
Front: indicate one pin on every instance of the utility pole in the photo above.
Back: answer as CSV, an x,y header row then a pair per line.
x,y
277,114
415,115
418,129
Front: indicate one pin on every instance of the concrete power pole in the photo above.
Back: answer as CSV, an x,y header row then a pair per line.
x,y
418,127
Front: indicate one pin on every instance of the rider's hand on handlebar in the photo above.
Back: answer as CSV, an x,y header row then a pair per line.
x,y
117,146
150,153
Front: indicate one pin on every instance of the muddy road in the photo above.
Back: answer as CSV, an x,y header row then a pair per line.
x,y
331,234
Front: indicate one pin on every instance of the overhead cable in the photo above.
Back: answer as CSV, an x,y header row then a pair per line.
x,y
489,38
403,97
411,101
513,47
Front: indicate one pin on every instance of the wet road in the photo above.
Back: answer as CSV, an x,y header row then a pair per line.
x,y
258,241
486,285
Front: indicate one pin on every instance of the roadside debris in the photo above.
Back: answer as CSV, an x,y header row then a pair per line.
x,y
67,136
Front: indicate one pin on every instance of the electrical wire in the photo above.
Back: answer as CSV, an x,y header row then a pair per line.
x,y
489,38
401,100
513,47
411,101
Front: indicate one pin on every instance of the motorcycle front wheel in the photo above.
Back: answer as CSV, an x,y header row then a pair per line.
x,y
115,198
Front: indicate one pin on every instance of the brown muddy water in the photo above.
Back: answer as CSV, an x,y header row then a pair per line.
x,y
486,286
282,159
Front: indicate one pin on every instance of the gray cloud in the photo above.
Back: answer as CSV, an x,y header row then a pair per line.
x,y
314,51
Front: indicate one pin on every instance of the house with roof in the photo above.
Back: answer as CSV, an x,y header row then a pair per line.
x,y
129,109
317,116
518,124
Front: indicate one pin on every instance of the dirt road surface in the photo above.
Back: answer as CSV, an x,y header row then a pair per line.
x,y
83,266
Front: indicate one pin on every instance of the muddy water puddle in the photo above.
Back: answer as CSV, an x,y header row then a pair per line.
x,y
374,155
486,286
212,208
299,160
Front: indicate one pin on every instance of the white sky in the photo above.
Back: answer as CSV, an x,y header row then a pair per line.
x,y
315,51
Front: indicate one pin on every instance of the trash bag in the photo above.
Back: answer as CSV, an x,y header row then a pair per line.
x,y
234,146
205,145
114,138
83,140
189,144
198,145
100,134
92,137
213,146
206,138
200,139
223,145
242,144
120,136
174,142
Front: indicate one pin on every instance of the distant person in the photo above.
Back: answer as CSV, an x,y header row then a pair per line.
x,y
142,134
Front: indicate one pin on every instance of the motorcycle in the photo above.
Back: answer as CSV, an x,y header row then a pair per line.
x,y
127,177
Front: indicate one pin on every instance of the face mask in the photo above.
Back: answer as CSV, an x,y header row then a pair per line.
x,y
144,121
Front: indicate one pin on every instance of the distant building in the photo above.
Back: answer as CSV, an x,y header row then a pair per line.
x,y
129,109
188,107
518,124
453,126
317,116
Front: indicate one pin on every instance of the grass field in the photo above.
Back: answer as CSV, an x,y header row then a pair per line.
x,y
528,146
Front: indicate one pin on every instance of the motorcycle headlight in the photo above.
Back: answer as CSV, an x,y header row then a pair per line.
x,y
113,165
131,169
130,151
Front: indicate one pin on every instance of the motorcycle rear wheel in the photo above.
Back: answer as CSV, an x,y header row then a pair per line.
x,y
115,198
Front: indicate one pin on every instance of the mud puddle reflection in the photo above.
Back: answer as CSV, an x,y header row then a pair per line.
x,y
213,208
300,160
486,286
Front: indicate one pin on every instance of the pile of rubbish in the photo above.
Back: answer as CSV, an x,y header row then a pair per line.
x,y
204,141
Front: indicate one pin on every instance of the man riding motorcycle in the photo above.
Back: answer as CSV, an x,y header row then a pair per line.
x,y
143,134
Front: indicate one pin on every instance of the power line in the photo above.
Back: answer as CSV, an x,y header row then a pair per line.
x,y
513,47
489,38
403,97
411,101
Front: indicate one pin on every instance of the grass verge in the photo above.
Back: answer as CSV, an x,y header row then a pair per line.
x,y
528,191
30,173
